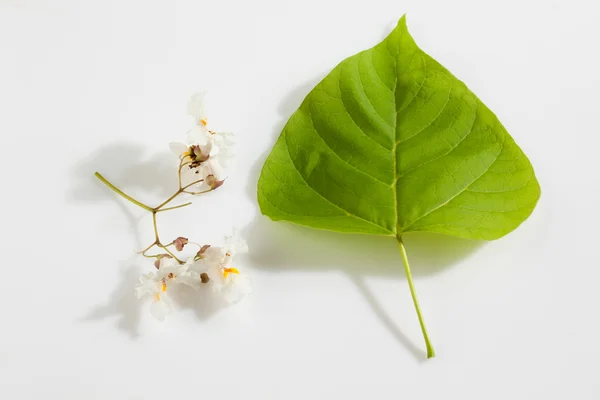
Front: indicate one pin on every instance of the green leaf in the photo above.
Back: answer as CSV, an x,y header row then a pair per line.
x,y
391,142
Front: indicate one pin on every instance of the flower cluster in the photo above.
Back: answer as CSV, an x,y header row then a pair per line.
x,y
207,153
211,266
203,161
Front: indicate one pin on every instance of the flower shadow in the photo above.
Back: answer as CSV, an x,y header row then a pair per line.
x,y
122,302
203,302
146,177
280,246
127,309
128,166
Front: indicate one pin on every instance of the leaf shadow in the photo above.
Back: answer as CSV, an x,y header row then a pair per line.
x,y
280,246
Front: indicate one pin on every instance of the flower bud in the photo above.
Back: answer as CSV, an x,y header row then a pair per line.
x,y
180,242
160,257
202,250
197,154
212,182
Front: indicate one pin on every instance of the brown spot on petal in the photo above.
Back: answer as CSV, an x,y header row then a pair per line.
x,y
204,277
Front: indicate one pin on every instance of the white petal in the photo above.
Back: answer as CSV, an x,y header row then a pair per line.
x,y
195,106
148,286
197,267
160,309
178,148
216,169
224,138
213,256
189,278
214,150
237,289
215,274
235,244
199,135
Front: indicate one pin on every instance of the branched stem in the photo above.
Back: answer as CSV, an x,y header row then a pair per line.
x,y
413,293
174,207
159,208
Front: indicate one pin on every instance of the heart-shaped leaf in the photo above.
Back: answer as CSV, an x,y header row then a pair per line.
x,y
391,142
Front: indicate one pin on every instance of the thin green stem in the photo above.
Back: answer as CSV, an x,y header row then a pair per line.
x,y
413,293
170,252
179,173
197,193
174,207
192,184
157,239
120,192
167,201
143,252
155,210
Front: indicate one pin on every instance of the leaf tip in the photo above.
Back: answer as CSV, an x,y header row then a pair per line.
x,y
402,22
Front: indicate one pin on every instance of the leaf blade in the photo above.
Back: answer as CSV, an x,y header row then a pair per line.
x,y
391,142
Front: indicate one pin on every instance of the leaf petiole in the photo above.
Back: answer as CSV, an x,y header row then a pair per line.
x,y
413,293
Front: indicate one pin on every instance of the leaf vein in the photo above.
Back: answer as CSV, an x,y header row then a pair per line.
x,y
460,191
325,198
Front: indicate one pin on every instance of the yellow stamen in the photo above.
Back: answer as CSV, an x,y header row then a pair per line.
x,y
203,121
227,271
164,287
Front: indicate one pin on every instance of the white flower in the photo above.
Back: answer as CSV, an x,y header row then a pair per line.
x,y
158,285
196,108
225,277
232,284
206,152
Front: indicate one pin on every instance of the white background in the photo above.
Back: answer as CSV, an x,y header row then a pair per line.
x,y
102,85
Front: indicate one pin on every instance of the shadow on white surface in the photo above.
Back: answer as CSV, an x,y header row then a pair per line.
x,y
122,303
128,166
126,308
281,246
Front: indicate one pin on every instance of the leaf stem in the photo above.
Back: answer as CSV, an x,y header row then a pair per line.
x,y
120,192
413,293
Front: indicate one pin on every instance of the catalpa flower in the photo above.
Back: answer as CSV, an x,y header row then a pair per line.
x,y
203,158
158,284
207,153
222,269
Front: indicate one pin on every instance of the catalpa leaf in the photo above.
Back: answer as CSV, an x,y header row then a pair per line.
x,y
391,142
